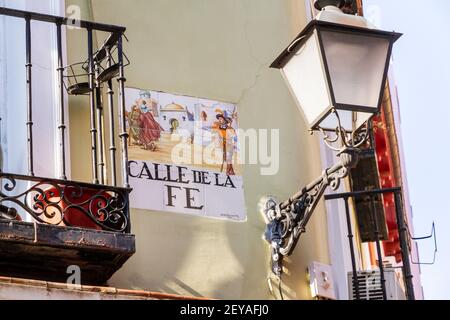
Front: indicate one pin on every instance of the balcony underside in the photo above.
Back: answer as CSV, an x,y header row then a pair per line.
x,y
44,252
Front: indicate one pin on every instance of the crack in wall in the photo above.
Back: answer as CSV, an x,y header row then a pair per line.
x,y
261,70
262,66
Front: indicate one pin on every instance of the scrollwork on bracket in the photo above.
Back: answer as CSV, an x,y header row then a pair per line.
x,y
339,139
67,203
287,221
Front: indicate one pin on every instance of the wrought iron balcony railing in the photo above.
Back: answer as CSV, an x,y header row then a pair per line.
x,y
66,203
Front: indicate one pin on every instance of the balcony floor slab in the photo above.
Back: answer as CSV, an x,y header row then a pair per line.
x,y
44,252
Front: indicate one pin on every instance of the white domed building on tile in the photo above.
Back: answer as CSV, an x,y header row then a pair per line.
x,y
175,117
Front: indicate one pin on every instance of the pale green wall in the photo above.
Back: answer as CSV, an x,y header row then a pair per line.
x,y
219,50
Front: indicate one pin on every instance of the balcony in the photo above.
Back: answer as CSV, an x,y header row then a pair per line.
x,y
78,224
50,224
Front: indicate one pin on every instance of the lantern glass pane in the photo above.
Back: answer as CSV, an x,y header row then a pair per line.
x,y
356,65
306,79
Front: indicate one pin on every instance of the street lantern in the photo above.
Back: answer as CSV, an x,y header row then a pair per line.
x,y
336,68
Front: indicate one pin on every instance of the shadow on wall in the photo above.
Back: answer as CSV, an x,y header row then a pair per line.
x,y
192,256
297,168
312,245
162,246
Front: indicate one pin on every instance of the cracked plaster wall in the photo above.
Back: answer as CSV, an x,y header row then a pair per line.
x,y
216,49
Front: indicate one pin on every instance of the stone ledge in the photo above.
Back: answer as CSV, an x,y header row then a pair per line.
x,y
45,289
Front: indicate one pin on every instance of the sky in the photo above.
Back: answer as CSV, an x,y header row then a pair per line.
x,y
421,65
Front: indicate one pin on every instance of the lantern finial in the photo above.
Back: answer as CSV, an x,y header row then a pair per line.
x,y
321,4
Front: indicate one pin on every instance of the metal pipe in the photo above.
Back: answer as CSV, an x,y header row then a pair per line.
x,y
123,134
377,241
352,249
62,124
93,109
100,137
112,135
403,234
402,229
29,122
361,193
99,118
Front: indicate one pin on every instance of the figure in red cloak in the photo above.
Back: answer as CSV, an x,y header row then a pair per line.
x,y
150,131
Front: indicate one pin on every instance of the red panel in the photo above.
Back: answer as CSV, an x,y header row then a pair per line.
x,y
75,204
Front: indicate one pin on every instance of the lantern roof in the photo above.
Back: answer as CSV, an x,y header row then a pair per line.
x,y
336,69
291,50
